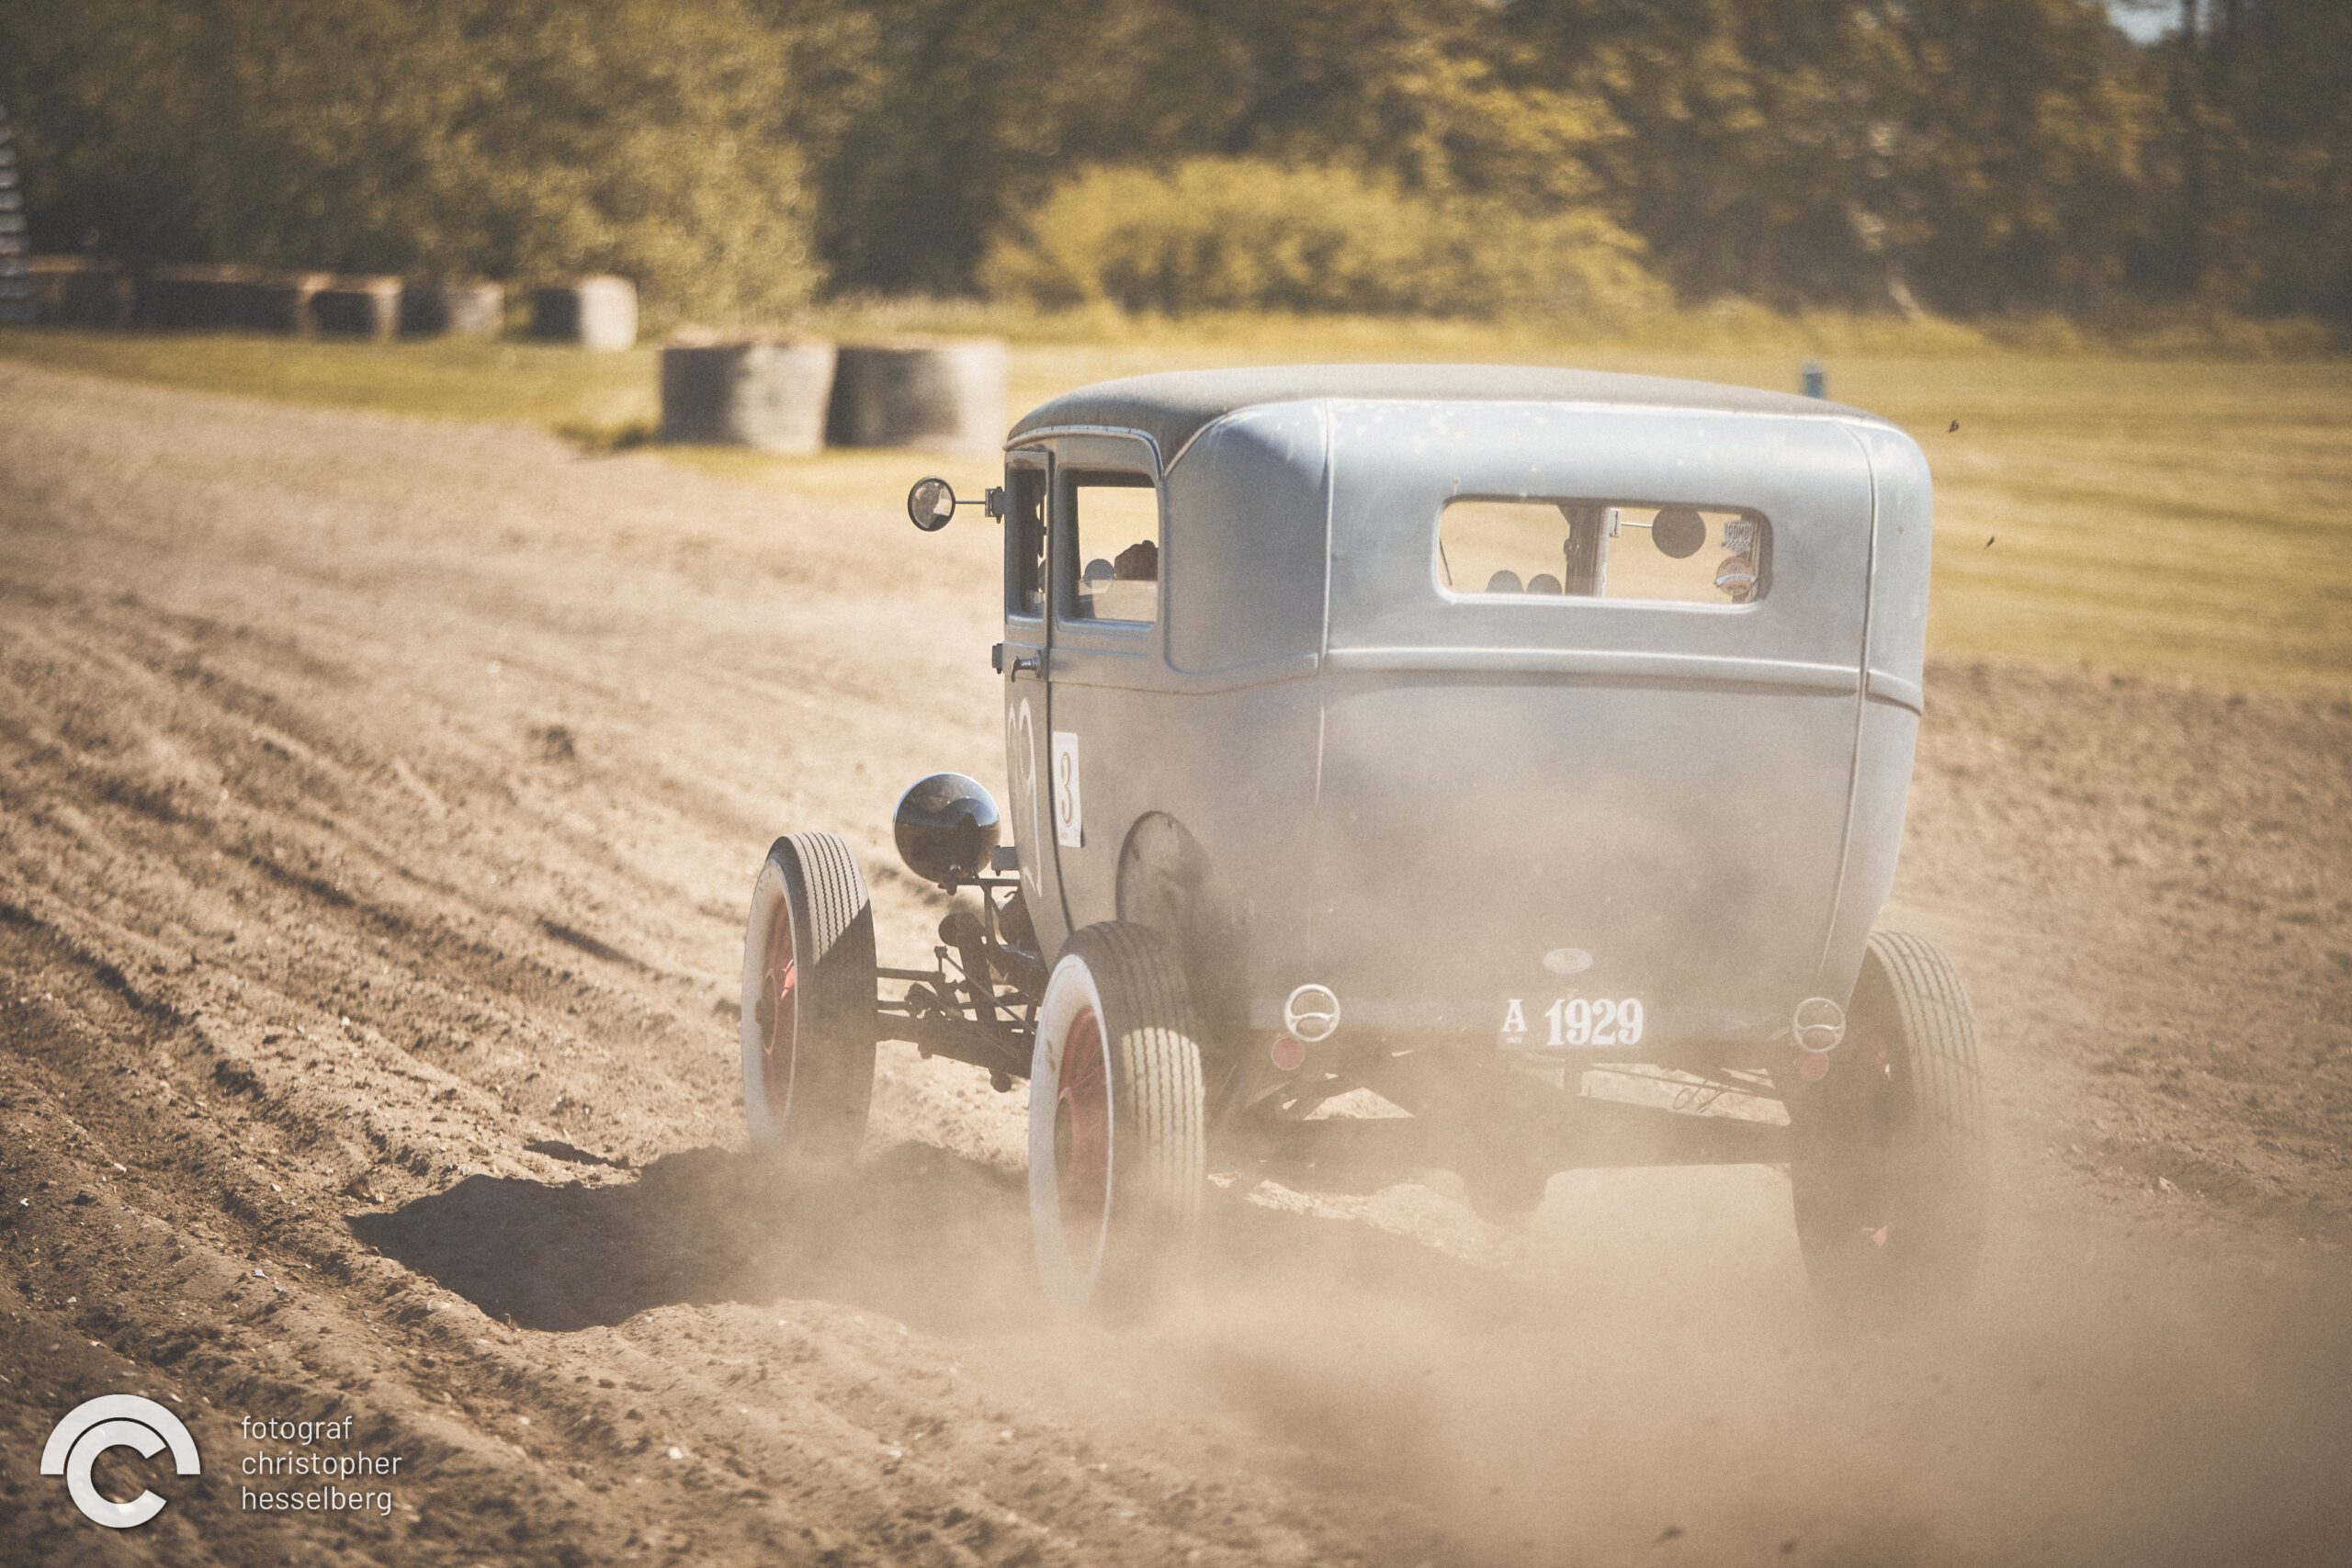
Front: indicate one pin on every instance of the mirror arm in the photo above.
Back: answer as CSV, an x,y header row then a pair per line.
x,y
935,494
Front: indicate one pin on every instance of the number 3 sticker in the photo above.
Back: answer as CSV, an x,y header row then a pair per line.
x,y
1069,817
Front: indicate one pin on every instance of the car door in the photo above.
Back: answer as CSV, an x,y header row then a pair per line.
x,y
1028,724
1103,750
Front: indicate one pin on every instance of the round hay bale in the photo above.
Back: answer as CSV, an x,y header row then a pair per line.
x,y
945,396
357,306
281,303
195,298
80,291
768,393
452,308
596,313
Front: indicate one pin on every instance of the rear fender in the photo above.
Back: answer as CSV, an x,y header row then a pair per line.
x,y
1166,882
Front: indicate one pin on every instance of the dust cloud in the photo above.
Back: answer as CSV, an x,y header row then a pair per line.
x,y
1638,1374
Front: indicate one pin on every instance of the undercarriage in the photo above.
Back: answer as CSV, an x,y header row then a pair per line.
x,y
1500,1121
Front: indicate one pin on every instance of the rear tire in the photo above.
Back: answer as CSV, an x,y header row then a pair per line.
x,y
1118,1144
809,1004
1887,1157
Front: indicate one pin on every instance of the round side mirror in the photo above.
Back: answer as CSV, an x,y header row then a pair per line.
x,y
930,504
946,826
1679,532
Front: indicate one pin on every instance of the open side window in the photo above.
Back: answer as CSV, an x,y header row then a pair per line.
x,y
1025,539
1712,556
1109,521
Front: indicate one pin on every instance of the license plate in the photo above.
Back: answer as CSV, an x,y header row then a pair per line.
x,y
1572,1023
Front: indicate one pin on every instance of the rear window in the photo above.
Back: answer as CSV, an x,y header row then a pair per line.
x,y
1713,556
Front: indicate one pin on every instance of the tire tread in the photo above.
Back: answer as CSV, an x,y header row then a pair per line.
x,y
1935,1140
833,919
1158,1101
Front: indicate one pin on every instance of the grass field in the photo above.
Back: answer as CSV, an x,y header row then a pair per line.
x,y
2154,515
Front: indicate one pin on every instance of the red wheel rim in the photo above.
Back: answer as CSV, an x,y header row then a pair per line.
x,y
1082,1135
780,982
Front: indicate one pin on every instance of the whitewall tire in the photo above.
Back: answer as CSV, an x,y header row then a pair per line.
x,y
1118,1149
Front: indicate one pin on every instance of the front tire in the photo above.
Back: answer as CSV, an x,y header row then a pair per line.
x,y
1118,1135
1888,1164
809,1004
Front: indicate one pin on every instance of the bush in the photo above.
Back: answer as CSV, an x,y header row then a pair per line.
x,y
1244,234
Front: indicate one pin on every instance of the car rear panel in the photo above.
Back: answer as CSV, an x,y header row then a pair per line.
x,y
1535,800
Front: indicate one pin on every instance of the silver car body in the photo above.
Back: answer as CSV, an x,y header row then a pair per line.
x,y
1322,767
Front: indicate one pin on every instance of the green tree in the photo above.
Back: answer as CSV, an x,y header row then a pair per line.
x,y
512,139
961,112
2254,161
1966,153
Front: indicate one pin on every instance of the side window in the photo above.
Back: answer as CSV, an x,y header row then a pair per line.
x,y
1715,556
1112,523
1024,543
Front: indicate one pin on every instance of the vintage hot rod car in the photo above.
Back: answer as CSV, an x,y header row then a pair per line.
x,y
1447,732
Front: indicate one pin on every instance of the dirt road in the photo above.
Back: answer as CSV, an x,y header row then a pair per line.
x,y
378,803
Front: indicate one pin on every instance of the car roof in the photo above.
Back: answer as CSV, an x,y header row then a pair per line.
x,y
1174,406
